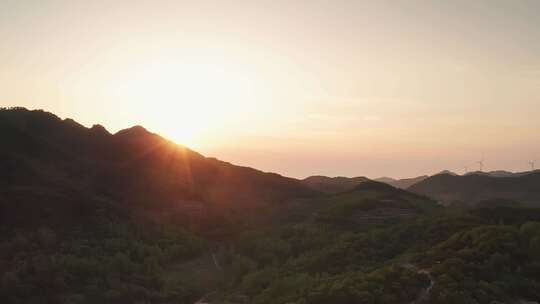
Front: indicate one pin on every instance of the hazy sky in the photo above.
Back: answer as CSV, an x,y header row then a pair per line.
x,y
374,88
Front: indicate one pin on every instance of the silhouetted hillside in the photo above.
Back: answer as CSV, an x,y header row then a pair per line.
x,y
333,184
502,173
52,170
403,183
474,188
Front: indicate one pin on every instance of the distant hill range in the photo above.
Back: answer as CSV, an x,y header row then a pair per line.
x,y
475,188
56,171
472,189
502,173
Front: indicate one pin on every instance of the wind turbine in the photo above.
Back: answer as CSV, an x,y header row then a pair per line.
x,y
466,169
481,164
532,163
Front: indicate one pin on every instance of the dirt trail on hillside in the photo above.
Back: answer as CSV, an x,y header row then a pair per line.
x,y
217,266
426,292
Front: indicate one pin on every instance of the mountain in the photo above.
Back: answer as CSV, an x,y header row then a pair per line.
x,y
401,183
372,204
365,204
386,180
473,188
446,172
407,182
55,171
93,217
333,184
502,173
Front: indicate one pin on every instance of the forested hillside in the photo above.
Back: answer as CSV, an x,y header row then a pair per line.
x,y
440,256
92,217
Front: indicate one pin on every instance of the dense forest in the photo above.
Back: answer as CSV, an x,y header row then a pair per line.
x,y
92,217
406,250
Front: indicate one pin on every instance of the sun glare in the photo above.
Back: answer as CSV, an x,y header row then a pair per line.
x,y
199,97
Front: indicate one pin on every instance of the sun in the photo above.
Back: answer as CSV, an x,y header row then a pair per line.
x,y
187,101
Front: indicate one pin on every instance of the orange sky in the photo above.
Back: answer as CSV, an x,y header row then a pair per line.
x,y
374,88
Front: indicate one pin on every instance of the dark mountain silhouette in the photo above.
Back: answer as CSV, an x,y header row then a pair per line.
x,y
385,179
378,187
446,172
375,189
57,171
502,173
333,184
401,183
473,188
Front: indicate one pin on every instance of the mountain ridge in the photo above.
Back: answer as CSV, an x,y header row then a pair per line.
x,y
474,188
132,166
333,184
